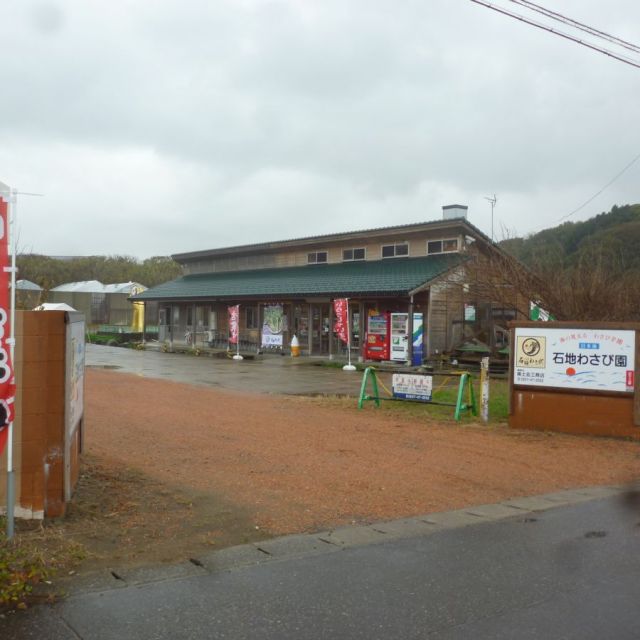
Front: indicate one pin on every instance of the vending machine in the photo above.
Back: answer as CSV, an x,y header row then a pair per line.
x,y
399,337
377,345
387,337
399,326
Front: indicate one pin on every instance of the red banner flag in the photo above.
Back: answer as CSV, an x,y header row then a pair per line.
x,y
234,324
7,380
341,326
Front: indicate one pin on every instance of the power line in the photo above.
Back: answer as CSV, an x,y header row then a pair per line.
x,y
587,29
556,32
554,15
606,186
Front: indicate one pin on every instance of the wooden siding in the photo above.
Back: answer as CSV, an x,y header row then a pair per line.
x,y
445,315
297,257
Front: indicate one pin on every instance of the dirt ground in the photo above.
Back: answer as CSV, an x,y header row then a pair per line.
x,y
172,469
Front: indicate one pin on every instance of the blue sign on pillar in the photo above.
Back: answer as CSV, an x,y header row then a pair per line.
x,y
417,338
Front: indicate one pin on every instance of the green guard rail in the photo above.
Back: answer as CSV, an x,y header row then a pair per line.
x,y
460,404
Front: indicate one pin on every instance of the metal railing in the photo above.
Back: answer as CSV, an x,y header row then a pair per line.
x,y
201,337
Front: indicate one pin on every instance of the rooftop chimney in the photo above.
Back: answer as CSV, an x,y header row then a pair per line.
x,y
451,211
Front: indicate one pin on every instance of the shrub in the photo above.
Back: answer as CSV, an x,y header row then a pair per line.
x,y
21,569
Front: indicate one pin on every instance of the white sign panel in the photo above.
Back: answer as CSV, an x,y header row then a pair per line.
x,y
412,386
74,389
589,359
74,392
270,340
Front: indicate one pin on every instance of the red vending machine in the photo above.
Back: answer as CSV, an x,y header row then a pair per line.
x,y
378,342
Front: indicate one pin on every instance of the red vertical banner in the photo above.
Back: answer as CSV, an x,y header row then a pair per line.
x,y
7,380
341,326
234,324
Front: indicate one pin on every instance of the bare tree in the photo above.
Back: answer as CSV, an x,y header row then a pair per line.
x,y
595,287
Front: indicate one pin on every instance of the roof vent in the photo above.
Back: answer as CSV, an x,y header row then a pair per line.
x,y
451,211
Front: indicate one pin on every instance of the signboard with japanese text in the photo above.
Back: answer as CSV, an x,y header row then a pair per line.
x,y
586,359
273,325
74,375
234,324
412,387
7,380
341,326
74,390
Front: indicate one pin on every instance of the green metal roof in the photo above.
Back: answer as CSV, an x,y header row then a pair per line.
x,y
385,277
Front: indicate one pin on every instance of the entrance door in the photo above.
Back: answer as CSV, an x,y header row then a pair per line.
x,y
164,322
320,328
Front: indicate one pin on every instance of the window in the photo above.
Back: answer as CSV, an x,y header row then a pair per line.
x,y
164,316
251,317
503,315
395,250
353,254
316,257
99,308
200,314
442,246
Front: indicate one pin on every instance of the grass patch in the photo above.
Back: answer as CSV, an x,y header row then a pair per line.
x,y
335,364
29,561
95,338
21,569
498,401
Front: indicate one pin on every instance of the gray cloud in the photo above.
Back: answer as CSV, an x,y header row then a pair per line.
x,y
189,125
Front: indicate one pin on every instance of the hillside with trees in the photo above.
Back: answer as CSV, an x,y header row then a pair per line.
x,y
578,270
586,270
49,272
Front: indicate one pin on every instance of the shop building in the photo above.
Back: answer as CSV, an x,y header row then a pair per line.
x,y
413,269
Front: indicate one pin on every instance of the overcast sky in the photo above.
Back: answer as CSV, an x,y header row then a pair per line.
x,y
161,127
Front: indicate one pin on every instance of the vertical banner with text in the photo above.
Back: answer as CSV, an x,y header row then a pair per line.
x,y
234,324
341,326
273,325
7,380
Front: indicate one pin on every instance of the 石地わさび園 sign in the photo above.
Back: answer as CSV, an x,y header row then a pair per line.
x,y
588,359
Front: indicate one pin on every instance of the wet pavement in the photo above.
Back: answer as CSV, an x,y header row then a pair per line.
x,y
565,573
264,374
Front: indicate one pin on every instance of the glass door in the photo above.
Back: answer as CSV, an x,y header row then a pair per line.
x,y
320,329
316,329
301,325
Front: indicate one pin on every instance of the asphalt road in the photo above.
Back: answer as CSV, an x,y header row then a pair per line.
x,y
568,572
265,374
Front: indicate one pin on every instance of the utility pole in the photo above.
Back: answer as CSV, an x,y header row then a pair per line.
x,y
492,201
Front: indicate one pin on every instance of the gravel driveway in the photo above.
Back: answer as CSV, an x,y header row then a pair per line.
x,y
299,464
